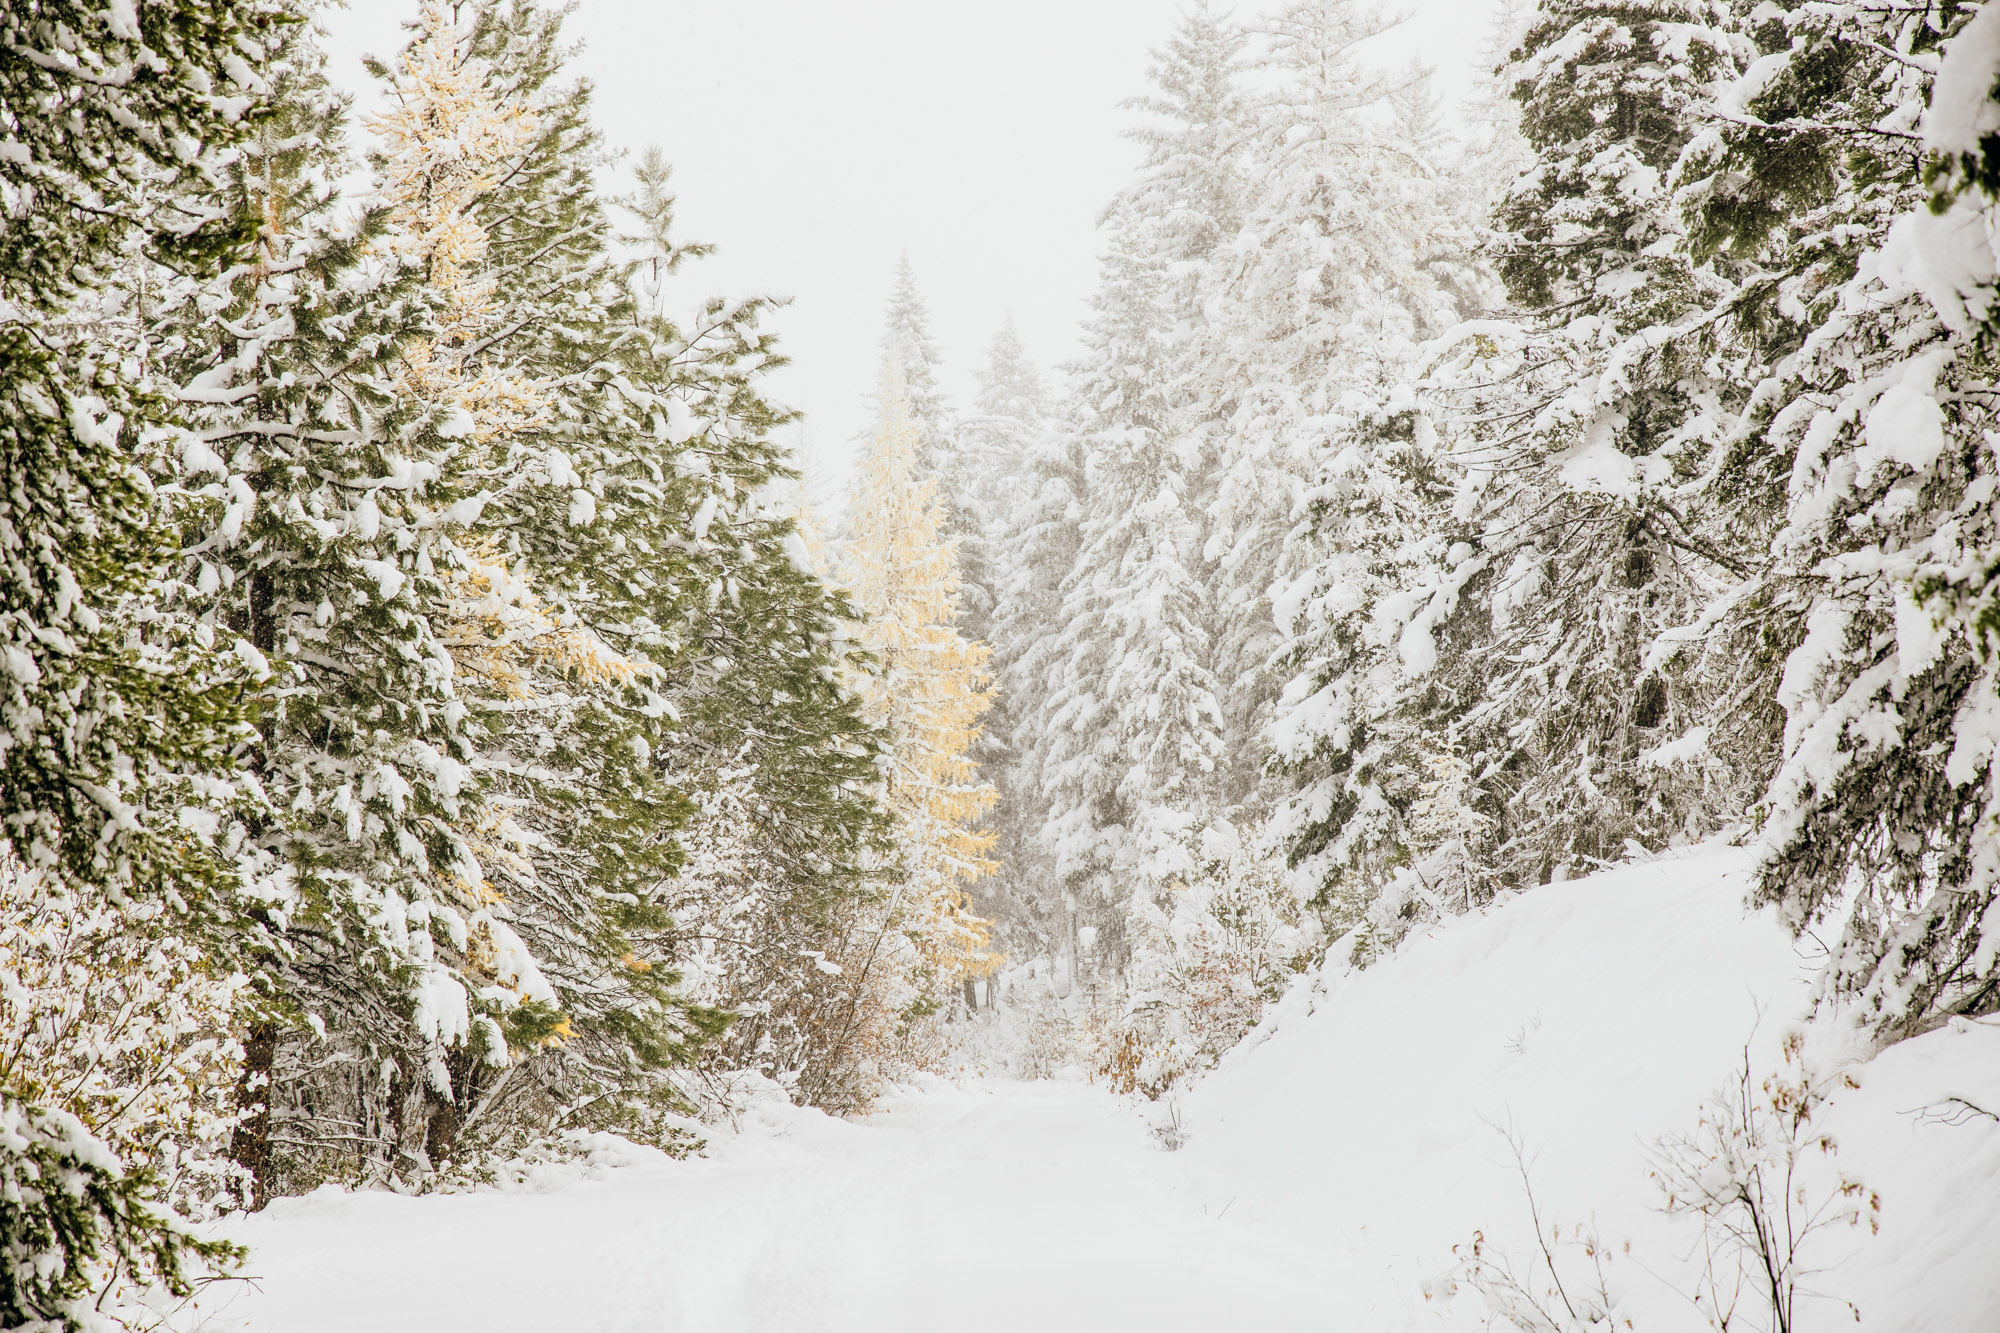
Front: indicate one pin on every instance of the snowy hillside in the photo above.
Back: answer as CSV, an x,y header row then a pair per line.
x,y
1591,1017
1329,1168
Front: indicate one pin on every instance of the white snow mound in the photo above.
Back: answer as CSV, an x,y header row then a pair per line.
x,y
1372,1110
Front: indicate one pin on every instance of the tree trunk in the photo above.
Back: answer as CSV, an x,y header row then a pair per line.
x,y
250,1145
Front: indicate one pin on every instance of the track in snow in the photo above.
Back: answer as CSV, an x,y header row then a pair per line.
x,y
1008,1205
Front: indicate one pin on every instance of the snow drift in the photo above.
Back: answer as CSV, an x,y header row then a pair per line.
x,y
1583,1021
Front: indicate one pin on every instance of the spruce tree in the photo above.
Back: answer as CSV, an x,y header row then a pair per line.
x,y
1135,726
1576,490
337,402
117,717
1005,442
985,468
907,340
1044,536
1128,628
1861,468
525,586
112,714
1309,303
1364,721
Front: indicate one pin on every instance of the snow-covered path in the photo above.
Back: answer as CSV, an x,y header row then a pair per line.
x,y
1004,1206
1331,1166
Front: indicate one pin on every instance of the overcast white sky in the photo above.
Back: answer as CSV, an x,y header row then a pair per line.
x,y
814,140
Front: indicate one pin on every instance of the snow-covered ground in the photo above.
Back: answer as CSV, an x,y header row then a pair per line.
x,y
1328,1169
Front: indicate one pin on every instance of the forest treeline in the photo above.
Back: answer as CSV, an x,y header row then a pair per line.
x,y
1442,511
432,728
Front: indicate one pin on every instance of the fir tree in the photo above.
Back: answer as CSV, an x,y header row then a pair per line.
x,y
1576,489
108,705
1043,536
1309,303
116,717
336,399
907,340
986,469
1005,442
1361,721
1136,730
1860,468
1131,733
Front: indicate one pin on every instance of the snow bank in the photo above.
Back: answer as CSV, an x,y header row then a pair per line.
x,y
1372,1111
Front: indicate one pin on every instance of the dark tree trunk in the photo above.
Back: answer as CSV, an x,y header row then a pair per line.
x,y
442,1129
250,1145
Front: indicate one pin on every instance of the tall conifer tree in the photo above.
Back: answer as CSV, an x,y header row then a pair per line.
x,y
928,691
117,716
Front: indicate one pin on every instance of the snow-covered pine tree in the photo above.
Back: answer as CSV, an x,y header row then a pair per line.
x,y
1127,747
1134,727
113,718
1044,535
116,718
1197,179
907,339
335,408
1333,502
1335,272
1003,443
1493,153
984,468
1867,448
1576,495
762,730
928,691
785,851
1365,716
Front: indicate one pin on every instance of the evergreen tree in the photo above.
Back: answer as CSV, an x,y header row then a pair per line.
x,y
1364,723
907,340
985,469
523,642
1004,443
545,626
117,719
1044,536
336,395
1575,491
1348,253
1494,153
1861,468
1135,728
1501,541
112,718
1130,741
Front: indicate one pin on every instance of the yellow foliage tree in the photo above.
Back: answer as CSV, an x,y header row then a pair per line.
x,y
930,690
448,139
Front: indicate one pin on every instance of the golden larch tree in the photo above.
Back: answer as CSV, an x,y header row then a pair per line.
x,y
929,692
